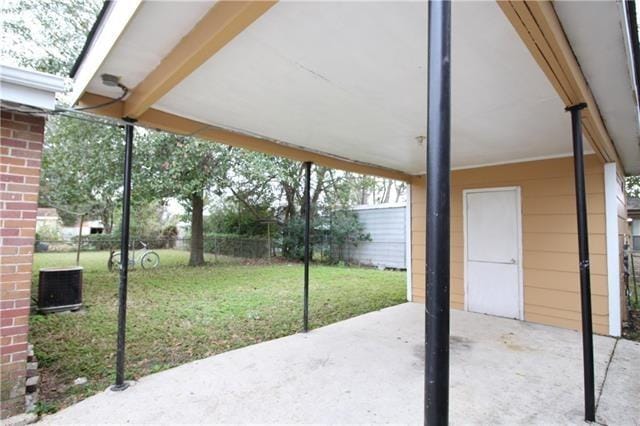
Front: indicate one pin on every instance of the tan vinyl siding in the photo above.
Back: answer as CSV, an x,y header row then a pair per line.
x,y
550,246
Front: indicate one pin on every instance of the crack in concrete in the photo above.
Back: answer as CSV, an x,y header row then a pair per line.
x,y
604,380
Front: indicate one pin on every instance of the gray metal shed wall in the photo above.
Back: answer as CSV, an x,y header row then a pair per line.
x,y
387,247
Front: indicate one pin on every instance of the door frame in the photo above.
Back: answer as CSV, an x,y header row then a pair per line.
x,y
518,192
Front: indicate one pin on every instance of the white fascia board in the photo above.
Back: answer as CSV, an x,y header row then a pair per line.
x,y
628,48
613,248
115,22
30,88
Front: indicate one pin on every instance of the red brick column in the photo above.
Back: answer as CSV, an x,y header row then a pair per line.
x,y
20,149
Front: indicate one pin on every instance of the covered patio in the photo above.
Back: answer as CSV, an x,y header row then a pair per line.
x,y
482,107
367,369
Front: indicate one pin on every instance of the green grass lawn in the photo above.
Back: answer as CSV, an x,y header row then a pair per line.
x,y
178,314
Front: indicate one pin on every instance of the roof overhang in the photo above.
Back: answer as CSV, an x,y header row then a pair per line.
x,y
29,88
344,83
607,57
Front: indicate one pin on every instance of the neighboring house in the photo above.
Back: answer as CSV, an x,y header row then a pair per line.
x,y
633,213
50,226
88,227
47,220
386,226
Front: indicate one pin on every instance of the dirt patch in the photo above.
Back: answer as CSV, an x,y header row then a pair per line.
x,y
631,329
508,341
460,343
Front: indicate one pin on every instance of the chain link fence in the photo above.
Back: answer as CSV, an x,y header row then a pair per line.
x,y
632,269
234,246
366,253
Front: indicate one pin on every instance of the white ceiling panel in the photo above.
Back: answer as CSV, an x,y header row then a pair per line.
x,y
349,79
154,30
597,31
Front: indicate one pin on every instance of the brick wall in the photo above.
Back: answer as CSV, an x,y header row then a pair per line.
x,y
20,149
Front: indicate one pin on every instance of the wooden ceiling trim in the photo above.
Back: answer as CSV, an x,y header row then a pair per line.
x,y
538,26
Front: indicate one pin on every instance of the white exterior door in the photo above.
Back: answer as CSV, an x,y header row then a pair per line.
x,y
493,277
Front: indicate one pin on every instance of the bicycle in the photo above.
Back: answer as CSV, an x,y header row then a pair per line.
x,y
148,260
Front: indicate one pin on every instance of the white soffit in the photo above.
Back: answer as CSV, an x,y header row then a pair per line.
x,y
152,33
596,31
349,79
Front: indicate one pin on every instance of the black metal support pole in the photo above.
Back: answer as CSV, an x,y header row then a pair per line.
x,y
124,259
583,249
438,206
307,220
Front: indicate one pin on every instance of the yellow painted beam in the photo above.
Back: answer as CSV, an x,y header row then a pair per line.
x,y
160,120
537,24
224,21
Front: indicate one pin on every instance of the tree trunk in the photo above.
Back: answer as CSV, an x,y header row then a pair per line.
x,y
79,240
196,257
106,217
386,184
364,194
319,189
400,187
290,207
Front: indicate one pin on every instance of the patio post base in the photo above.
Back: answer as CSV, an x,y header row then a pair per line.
x,y
119,388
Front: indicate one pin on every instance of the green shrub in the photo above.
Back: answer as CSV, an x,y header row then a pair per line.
x,y
333,234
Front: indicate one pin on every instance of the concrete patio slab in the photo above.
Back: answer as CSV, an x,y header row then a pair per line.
x,y
369,369
620,399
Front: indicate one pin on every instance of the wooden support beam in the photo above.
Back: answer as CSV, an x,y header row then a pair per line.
x,y
224,21
537,24
160,120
